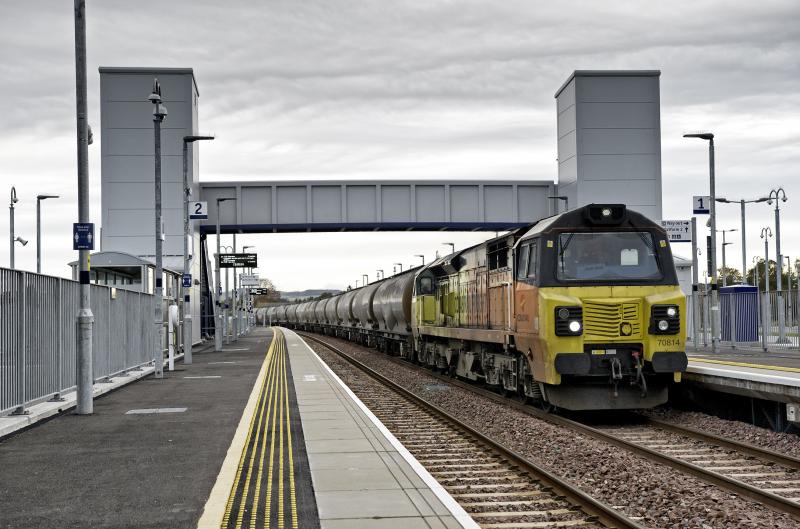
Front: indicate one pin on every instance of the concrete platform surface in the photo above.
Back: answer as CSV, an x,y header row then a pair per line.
x,y
363,477
151,469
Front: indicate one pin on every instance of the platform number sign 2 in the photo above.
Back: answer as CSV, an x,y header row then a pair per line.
x,y
702,205
198,210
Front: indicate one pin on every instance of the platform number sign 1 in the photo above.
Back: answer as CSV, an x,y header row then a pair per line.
x,y
702,205
198,210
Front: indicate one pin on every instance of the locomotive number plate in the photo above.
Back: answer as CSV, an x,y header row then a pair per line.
x,y
604,351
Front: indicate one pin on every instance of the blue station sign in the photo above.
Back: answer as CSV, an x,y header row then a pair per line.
x,y
83,236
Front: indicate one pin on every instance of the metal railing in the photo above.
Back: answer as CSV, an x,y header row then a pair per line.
x,y
38,339
769,321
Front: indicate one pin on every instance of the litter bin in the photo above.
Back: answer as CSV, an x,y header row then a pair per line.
x,y
739,311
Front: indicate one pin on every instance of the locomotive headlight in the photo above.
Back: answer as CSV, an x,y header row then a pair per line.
x,y
663,325
574,326
606,212
563,313
671,312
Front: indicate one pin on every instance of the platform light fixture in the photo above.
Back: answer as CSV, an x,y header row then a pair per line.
x,y
39,199
421,257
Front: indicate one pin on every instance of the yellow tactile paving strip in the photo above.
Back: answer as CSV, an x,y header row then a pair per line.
x,y
263,493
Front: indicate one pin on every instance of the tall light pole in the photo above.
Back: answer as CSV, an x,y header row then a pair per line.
x,y
365,278
159,113
756,261
219,324
379,274
779,195
84,317
39,199
766,233
452,246
421,257
563,198
186,305
228,304
708,136
724,265
400,265
742,203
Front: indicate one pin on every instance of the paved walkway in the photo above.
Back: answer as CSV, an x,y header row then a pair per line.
x,y
127,467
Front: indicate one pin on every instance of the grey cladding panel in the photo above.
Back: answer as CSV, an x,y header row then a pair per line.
x,y
498,202
136,87
430,203
326,203
618,89
228,208
532,203
619,115
140,169
132,195
464,202
395,203
292,205
610,167
361,206
140,142
257,204
139,114
566,97
619,141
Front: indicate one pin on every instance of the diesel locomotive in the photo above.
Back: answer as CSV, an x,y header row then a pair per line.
x,y
580,311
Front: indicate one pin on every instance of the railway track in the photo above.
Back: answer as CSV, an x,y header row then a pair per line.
x,y
768,477
499,488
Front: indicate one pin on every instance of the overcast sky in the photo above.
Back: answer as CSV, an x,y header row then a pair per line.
x,y
403,89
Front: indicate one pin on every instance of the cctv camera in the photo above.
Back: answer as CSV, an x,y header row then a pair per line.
x,y
22,241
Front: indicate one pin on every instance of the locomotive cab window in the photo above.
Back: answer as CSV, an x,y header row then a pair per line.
x,y
533,260
611,256
425,285
498,255
522,262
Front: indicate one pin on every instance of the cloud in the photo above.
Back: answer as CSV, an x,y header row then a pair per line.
x,y
415,89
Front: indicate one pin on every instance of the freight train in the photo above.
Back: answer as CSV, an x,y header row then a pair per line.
x,y
580,311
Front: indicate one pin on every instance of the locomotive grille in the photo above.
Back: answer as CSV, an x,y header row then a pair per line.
x,y
604,320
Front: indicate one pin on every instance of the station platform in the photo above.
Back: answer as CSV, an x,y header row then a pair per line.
x,y
766,375
262,434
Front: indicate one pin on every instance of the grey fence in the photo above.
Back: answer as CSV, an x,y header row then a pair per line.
x,y
768,321
38,340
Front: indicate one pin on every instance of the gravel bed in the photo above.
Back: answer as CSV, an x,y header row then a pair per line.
x,y
657,496
785,443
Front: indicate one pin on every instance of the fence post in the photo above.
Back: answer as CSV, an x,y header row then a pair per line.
x,y
60,332
766,318
20,410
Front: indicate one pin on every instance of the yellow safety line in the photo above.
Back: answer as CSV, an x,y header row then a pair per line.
x,y
268,499
257,491
280,460
745,364
260,432
231,497
292,493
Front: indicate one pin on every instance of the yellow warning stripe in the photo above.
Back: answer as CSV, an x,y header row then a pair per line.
x,y
292,491
744,364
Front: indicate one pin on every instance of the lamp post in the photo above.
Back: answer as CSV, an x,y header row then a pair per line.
x,y
766,233
708,136
452,246
779,195
39,199
365,278
400,265
756,261
218,327
742,203
84,318
724,265
565,199
11,237
421,257
185,306
159,113
379,274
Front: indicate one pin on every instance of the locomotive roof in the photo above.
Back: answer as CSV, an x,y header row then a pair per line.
x,y
579,218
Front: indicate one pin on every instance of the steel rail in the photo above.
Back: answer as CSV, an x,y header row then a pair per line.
x,y
770,499
591,506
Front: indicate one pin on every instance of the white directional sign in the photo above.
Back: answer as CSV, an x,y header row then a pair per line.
x,y
198,210
678,230
702,205
248,280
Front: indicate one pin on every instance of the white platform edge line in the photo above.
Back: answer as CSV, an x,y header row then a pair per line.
x,y
744,375
461,516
